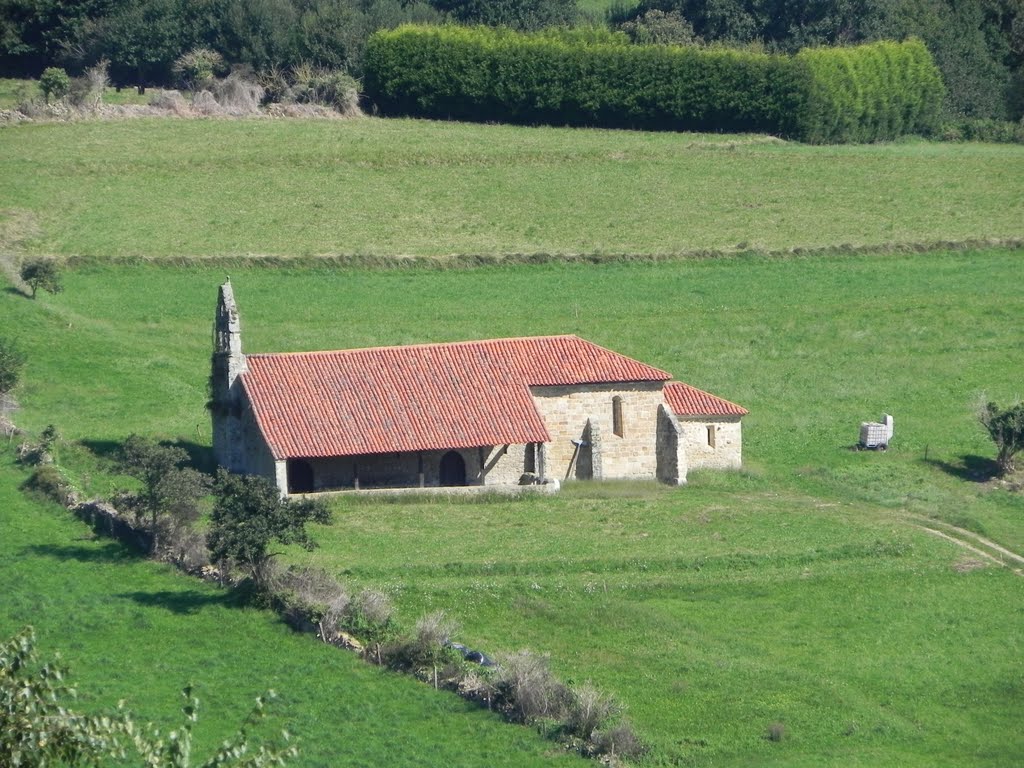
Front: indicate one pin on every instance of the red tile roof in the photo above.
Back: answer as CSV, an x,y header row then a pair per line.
x,y
685,400
420,397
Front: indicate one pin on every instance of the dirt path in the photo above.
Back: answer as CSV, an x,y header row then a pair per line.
x,y
972,542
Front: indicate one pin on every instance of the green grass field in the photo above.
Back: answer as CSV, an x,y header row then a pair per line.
x,y
196,188
802,591
799,591
134,630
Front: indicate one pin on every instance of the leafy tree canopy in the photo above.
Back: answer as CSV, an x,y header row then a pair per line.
x,y
1006,428
249,517
169,486
42,273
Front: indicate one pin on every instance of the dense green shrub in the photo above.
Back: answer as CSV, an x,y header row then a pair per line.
x,y
995,131
866,93
484,74
870,92
514,14
54,82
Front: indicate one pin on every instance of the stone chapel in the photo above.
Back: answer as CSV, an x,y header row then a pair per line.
x,y
498,412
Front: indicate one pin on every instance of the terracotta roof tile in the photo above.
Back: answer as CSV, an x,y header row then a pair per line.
x,y
420,397
685,400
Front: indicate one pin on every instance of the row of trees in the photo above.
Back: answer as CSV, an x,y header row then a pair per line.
x,y
141,39
978,45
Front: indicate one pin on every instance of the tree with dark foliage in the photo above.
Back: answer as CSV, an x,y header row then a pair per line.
x,y
170,489
1006,428
249,516
42,273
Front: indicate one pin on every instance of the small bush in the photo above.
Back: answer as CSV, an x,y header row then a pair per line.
x,y
48,482
619,741
54,82
87,91
371,617
41,452
426,647
171,101
656,27
197,69
237,95
528,690
372,608
313,596
42,273
590,710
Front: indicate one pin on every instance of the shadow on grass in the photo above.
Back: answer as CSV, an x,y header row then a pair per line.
x,y
183,602
199,456
103,449
108,551
977,469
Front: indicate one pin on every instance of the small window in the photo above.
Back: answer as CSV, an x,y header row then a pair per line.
x,y
711,435
617,415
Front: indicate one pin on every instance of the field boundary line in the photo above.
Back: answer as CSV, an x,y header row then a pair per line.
x,y
471,260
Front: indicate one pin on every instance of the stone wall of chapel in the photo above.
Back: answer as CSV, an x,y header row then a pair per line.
x,y
256,458
727,451
566,409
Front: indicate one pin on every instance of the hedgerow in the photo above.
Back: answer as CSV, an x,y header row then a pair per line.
x,y
477,73
865,93
870,92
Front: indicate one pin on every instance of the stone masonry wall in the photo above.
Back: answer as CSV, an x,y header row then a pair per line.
x,y
672,466
565,411
727,452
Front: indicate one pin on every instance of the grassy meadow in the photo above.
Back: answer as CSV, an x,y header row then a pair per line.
x,y
798,592
166,188
801,592
135,630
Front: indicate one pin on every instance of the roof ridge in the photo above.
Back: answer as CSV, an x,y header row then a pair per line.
x,y
425,345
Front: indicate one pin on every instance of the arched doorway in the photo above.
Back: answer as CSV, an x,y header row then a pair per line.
x,y
300,476
453,469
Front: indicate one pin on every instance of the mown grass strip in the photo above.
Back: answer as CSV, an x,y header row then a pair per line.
x,y
169,189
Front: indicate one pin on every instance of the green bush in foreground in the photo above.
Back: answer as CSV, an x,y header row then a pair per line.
x,y
54,82
822,95
38,730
